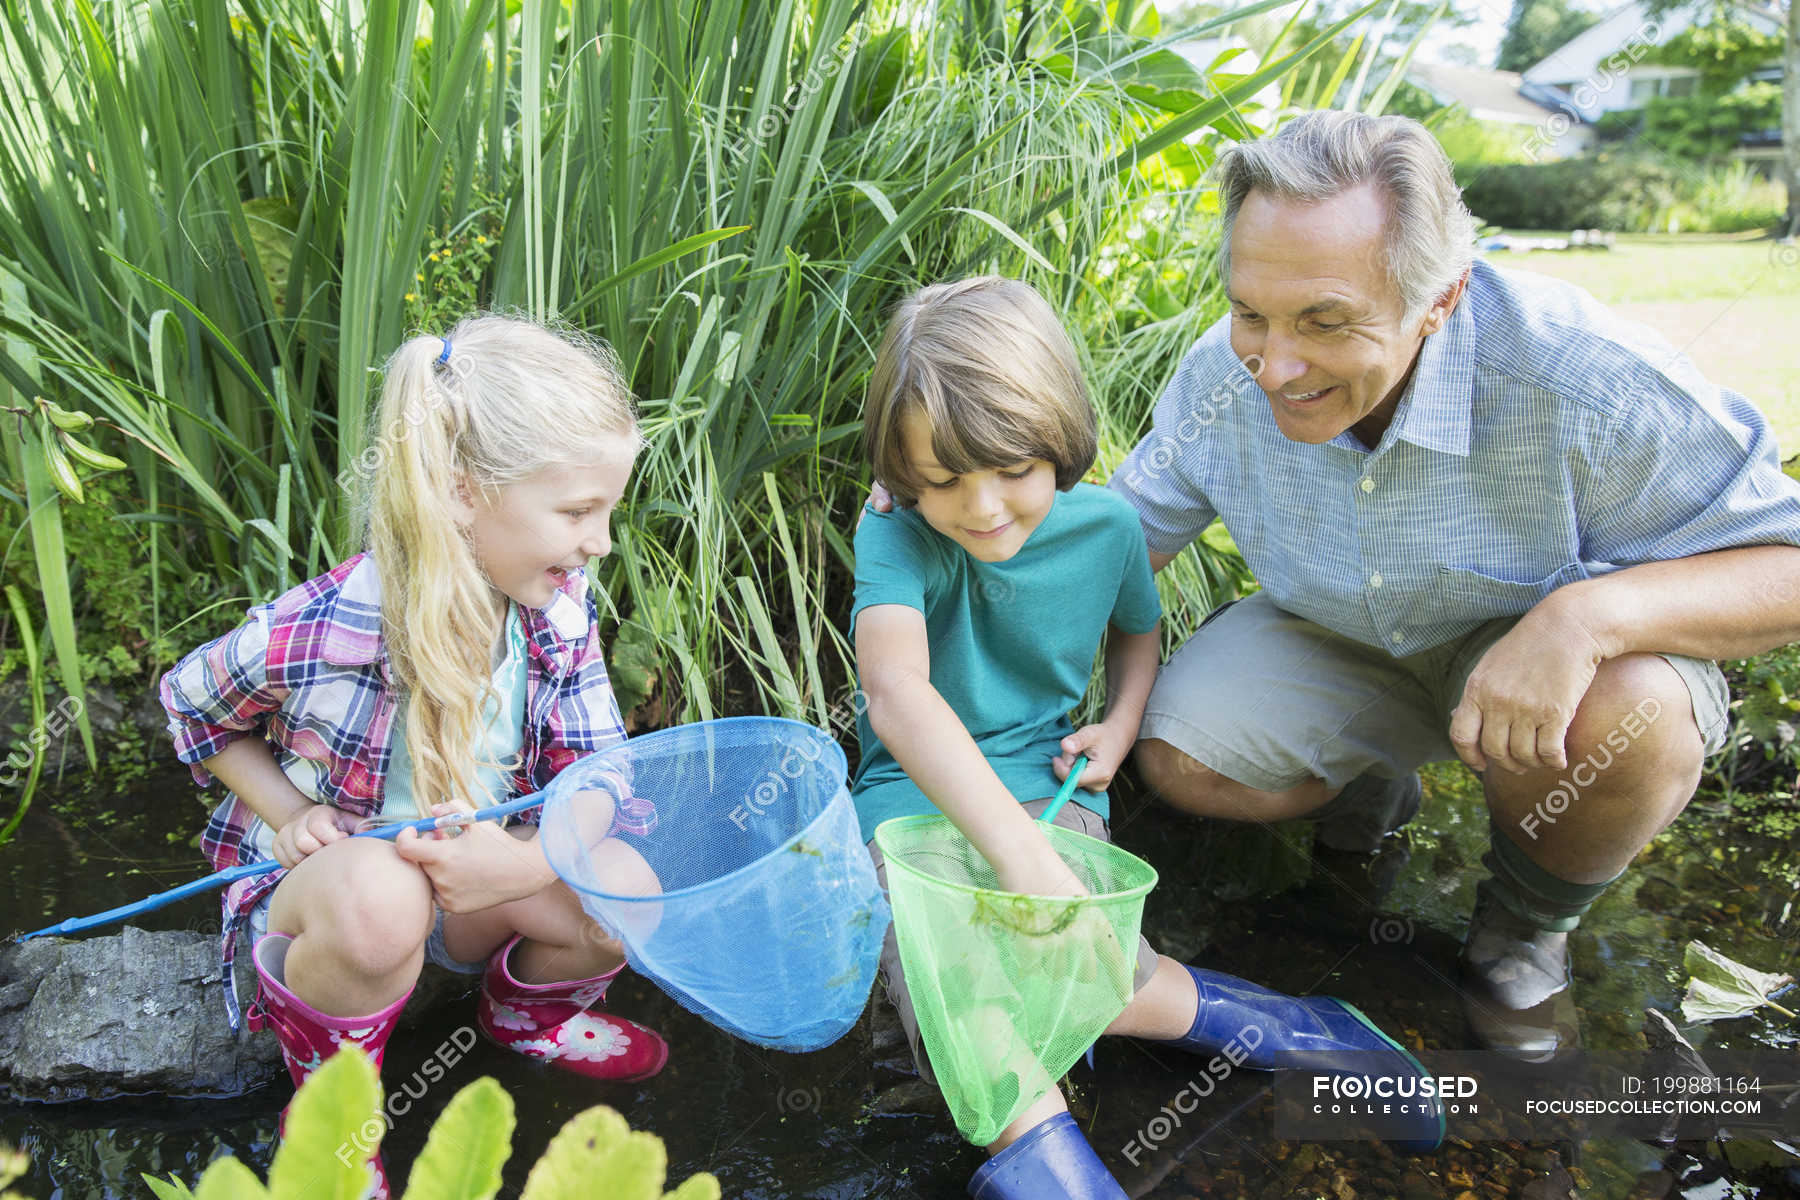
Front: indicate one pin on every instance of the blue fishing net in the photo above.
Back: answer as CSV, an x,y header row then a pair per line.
x,y
750,899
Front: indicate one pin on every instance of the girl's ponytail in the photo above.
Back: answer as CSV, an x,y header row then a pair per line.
x,y
506,400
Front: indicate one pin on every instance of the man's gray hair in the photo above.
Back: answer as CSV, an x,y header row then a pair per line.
x,y
1430,234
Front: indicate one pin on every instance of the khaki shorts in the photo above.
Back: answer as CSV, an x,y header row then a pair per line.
x,y
893,978
1271,700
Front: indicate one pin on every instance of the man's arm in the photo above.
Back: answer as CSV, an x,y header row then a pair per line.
x,y
1725,604
928,740
1522,696
1158,560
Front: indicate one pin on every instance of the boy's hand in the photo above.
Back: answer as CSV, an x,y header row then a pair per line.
x,y
1032,867
1105,747
311,831
1062,939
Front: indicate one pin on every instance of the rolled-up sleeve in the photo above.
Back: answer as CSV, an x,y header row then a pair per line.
x,y
1163,475
219,693
1686,474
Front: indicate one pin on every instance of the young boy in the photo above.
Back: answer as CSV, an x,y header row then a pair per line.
x,y
981,600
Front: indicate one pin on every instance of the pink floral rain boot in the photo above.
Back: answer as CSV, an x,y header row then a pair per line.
x,y
308,1037
559,1023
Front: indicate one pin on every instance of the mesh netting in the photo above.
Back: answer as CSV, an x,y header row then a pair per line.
x,y
751,900
1009,990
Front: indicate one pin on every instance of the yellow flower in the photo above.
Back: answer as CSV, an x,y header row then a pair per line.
x,y
433,256
418,278
411,296
481,239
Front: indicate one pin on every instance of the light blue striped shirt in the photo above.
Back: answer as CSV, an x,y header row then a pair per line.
x,y
1542,440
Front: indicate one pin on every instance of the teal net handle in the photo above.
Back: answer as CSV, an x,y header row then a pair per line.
x,y
1048,816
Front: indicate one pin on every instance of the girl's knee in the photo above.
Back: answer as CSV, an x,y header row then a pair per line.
x,y
361,898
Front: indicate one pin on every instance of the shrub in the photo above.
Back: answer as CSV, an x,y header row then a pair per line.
x,y
1623,193
1707,127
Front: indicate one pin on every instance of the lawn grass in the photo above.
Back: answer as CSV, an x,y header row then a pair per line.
x,y
1732,304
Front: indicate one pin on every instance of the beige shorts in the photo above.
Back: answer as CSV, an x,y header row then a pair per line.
x,y
1271,699
893,978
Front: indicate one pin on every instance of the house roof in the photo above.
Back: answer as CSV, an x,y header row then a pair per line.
x,y
1488,95
1574,61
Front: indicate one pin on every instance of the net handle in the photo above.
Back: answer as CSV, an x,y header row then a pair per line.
x,y
1048,816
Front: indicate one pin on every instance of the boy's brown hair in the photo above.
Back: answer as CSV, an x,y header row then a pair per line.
x,y
996,376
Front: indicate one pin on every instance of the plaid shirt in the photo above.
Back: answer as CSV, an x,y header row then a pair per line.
x,y
308,671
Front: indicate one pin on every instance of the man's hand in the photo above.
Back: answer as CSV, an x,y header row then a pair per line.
x,y
311,831
1521,697
1105,747
478,866
880,497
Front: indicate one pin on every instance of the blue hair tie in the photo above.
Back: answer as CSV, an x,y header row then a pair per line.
x,y
445,356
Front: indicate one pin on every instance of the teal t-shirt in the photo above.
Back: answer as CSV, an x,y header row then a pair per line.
x,y
1013,643
505,731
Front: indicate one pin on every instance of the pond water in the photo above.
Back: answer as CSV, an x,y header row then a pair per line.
x,y
849,1121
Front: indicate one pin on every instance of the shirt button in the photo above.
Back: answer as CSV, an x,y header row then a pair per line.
x,y
1368,485
1375,580
1398,636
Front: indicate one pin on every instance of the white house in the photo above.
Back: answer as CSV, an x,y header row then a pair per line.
x,y
1602,70
1555,102
1496,98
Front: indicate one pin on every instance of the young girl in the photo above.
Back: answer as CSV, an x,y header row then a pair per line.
x,y
455,662
981,600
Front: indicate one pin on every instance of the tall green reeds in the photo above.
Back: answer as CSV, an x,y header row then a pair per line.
x,y
217,219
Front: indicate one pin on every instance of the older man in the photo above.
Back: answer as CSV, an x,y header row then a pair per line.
x,y
1490,521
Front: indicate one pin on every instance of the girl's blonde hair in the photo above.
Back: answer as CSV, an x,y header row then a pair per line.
x,y
510,399
994,372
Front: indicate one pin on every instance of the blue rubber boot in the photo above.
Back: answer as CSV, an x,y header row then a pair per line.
x,y
1051,1161
1272,1031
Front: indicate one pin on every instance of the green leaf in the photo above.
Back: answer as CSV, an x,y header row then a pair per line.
x,y
698,1187
35,685
468,1144
634,665
228,1179
1719,988
333,1125
655,259
1009,233
271,222
44,519
597,1154
170,1189
13,1164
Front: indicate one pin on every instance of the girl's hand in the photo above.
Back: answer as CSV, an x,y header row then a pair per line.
x,y
317,827
1105,750
477,865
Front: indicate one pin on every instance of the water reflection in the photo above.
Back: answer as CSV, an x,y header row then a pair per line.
x,y
771,1125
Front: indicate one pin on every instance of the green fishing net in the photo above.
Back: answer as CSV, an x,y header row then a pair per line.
x,y
1009,990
